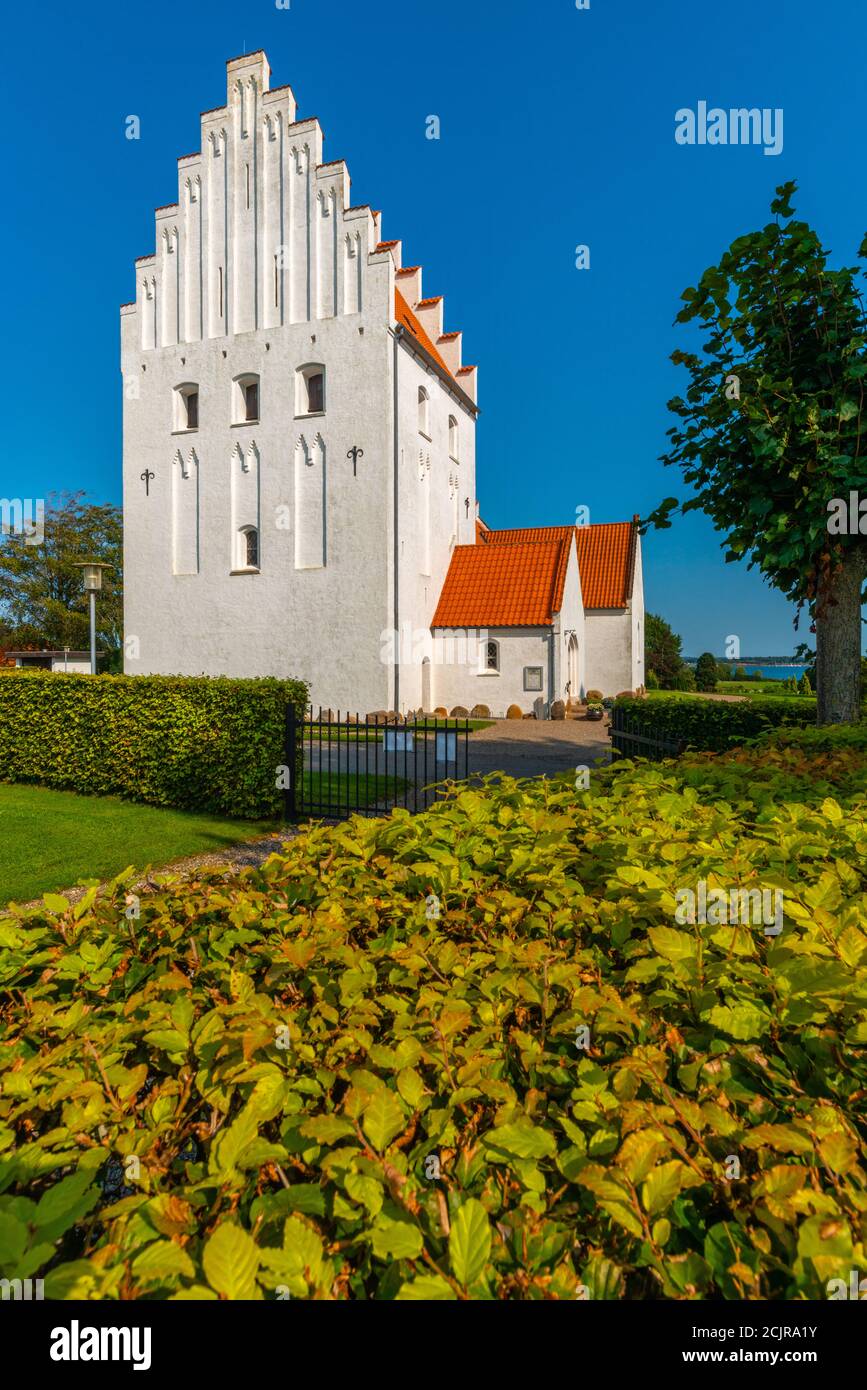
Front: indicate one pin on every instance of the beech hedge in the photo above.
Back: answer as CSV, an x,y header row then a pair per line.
x,y
715,725
467,1054
192,742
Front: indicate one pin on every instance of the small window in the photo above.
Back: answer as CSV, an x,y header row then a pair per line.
x,y
453,438
492,656
532,677
423,412
186,409
310,390
245,400
248,557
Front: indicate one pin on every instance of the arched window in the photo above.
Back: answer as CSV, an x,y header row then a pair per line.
x,y
453,438
492,656
248,546
423,412
310,389
245,400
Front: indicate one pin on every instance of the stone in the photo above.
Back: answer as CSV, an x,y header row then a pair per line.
x,y
441,712
514,712
480,712
558,709
459,713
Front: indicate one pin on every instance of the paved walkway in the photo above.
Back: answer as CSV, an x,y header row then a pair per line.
x,y
533,748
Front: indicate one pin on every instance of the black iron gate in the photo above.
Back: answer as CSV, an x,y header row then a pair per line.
x,y
369,765
631,738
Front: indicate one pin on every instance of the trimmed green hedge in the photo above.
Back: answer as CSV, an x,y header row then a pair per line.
x,y
715,725
193,742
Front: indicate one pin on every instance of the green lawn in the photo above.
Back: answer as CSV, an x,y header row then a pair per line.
x,y
50,839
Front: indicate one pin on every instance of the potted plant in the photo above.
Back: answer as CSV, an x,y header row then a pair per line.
x,y
595,709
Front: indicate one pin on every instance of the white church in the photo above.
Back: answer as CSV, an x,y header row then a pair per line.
x,y
299,457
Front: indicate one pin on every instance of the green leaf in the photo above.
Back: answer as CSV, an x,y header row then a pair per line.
x,y
428,1288
521,1140
383,1118
396,1239
469,1242
230,1260
161,1260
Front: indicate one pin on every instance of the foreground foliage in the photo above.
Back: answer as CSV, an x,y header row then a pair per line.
x,y
307,1083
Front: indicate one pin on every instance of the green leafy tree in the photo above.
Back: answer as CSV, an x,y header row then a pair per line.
x,y
42,598
706,672
771,429
662,649
685,679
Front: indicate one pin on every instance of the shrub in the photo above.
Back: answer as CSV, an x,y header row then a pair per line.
x,y
804,686
186,741
685,679
593,697
652,680
716,725
301,1079
706,672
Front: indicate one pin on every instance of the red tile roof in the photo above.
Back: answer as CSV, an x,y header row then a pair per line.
x,y
606,561
606,557
517,585
404,315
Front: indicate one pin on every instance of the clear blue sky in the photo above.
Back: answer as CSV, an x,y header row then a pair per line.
x,y
557,129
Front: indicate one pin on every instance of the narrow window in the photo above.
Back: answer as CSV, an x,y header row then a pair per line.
x,y
251,548
251,401
186,407
423,412
492,656
310,390
453,438
315,392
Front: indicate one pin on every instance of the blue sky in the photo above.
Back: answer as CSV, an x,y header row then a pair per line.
x,y
557,129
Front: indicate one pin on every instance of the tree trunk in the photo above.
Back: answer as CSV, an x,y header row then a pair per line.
x,y
838,642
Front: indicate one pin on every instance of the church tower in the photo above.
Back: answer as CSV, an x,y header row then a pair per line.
x,y
299,430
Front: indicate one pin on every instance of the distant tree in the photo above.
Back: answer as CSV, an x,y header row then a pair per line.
x,y
652,680
662,649
772,430
42,596
685,679
804,686
706,672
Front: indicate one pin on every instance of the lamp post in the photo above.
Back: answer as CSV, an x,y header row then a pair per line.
x,y
92,585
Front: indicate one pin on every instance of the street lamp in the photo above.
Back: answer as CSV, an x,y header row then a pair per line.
x,y
92,585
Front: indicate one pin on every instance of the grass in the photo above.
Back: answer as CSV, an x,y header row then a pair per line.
x,y
753,690
51,839
330,789
338,733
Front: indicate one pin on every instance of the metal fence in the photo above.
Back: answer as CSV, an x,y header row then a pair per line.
x,y
369,765
631,738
